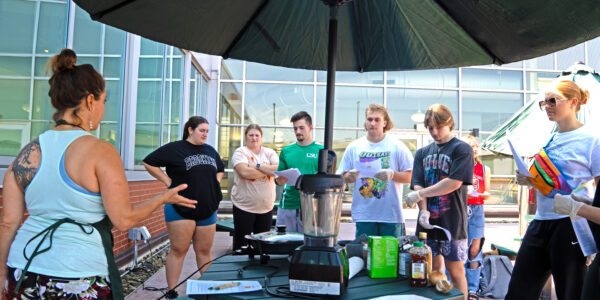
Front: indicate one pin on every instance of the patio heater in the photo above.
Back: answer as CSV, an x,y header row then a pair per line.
x,y
320,266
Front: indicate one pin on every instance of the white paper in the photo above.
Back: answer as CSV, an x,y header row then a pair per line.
x,y
291,175
584,237
448,235
521,165
200,287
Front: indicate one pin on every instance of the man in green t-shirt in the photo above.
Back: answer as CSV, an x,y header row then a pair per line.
x,y
303,154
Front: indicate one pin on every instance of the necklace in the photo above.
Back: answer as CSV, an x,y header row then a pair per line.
x,y
63,122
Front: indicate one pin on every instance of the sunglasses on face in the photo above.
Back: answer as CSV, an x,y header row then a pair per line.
x,y
549,102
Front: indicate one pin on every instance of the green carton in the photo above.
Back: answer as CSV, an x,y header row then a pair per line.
x,y
382,258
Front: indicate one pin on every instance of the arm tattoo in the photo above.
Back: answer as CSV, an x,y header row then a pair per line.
x,y
26,163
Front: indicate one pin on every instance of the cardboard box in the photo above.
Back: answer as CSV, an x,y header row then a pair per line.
x,y
382,259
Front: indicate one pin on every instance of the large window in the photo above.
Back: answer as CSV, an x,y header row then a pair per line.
x,y
104,48
274,104
160,92
407,107
198,94
33,31
492,79
30,32
350,105
445,78
487,110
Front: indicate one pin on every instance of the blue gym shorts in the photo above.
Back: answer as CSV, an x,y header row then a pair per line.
x,y
172,215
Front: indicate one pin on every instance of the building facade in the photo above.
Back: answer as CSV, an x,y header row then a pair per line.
x,y
153,88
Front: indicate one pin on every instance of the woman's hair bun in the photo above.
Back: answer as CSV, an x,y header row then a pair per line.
x,y
66,59
585,95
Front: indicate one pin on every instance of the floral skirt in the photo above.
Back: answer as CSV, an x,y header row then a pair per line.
x,y
37,286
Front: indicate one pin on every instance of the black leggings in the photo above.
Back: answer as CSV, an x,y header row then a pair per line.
x,y
549,247
246,223
591,283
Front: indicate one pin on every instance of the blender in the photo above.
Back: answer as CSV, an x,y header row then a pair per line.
x,y
320,266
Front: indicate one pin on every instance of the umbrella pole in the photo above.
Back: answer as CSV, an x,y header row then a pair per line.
x,y
330,91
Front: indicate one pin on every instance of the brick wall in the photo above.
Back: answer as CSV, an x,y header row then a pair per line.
x,y
138,192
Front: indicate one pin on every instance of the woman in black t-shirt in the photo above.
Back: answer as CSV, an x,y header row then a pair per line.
x,y
199,165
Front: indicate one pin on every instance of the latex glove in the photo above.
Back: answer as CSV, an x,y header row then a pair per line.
x,y
424,219
385,174
470,189
412,198
565,205
351,176
582,198
523,180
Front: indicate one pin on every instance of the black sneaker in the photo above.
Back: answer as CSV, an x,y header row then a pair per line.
x,y
171,294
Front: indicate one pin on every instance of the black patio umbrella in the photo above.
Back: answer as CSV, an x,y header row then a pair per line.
x,y
362,35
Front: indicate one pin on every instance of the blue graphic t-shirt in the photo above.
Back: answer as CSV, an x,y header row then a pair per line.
x,y
374,200
433,163
196,165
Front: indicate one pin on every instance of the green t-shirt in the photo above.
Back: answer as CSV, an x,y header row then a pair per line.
x,y
306,159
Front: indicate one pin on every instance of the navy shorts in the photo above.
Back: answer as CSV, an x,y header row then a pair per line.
x,y
455,250
172,215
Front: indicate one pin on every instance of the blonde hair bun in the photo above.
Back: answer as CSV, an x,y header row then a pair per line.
x,y
585,95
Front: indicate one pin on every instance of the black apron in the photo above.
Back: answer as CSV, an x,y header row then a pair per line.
x,y
104,228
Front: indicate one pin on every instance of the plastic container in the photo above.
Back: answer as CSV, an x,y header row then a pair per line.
x,y
404,259
419,276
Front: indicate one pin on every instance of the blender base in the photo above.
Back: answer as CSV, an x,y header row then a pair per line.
x,y
319,271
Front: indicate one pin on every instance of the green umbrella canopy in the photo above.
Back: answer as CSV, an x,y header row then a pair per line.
x,y
530,128
373,35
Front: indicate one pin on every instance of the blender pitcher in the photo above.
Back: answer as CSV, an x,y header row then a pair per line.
x,y
321,207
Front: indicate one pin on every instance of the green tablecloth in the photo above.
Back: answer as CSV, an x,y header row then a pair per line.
x,y
359,287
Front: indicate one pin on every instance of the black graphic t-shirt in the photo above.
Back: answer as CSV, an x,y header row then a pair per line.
x,y
198,167
433,163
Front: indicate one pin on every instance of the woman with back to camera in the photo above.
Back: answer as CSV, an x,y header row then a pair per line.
x,y
197,164
550,245
577,206
73,186
478,192
253,192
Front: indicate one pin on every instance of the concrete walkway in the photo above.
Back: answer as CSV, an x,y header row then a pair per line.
x,y
495,233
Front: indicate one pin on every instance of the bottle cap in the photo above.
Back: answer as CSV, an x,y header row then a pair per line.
x,y
423,235
418,244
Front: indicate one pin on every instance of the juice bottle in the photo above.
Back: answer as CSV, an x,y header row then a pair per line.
x,y
419,276
423,238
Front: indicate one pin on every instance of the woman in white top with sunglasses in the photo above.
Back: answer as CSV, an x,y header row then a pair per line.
x,y
550,245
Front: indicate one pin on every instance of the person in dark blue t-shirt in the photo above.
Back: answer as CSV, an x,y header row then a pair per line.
x,y
441,173
196,163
